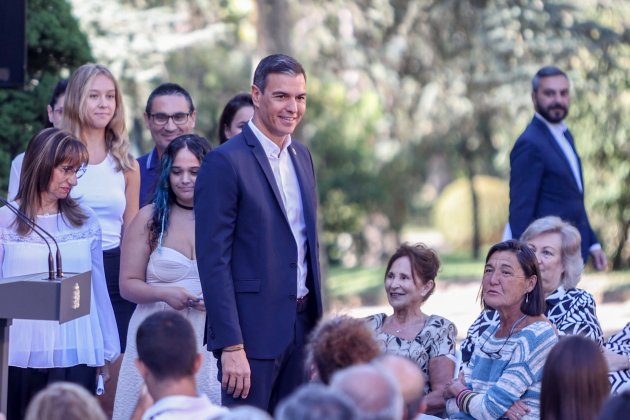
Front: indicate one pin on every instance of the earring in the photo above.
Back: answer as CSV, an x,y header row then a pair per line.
x,y
527,297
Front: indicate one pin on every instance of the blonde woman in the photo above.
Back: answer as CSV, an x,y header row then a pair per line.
x,y
95,113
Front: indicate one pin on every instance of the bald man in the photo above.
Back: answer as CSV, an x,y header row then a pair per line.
x,y
373,391
410,381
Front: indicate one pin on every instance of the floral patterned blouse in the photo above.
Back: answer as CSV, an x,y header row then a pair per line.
x,y
436,338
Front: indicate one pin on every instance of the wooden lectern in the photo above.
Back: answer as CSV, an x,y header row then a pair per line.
x,y
34,296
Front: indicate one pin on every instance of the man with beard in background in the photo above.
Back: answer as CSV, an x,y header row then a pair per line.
x,y
546,172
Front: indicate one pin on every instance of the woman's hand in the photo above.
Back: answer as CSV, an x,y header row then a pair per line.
x,y
454,386
180,298
103,370
518,410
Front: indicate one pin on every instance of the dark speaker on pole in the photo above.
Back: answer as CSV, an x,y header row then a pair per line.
x,y
12,43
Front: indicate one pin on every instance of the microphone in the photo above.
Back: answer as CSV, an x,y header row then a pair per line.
x,y
38,230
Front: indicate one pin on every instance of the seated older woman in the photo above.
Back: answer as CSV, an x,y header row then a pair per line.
x,y
504,375
427,340
572,310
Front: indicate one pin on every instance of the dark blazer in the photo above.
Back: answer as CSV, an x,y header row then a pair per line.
x,y
246,253
542,184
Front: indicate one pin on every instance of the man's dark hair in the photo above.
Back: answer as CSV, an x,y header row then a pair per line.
x,y
167,345
168,89
546,71
60,89
276,63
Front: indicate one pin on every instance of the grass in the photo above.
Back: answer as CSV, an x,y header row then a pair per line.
x,y
343,282
366,284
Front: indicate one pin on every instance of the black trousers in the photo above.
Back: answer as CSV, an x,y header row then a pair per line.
x,y
24,383
123,309
274,379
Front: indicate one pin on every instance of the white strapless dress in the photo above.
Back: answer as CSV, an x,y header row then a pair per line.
x,y
167,268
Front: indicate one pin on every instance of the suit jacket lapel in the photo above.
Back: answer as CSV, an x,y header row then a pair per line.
x,y
569,136
263,161
302,170
561,156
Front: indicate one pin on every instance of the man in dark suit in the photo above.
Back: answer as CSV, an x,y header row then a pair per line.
x,y
257,247
546,172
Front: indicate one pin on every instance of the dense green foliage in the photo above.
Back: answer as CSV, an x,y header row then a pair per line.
x,y
405,96
55,46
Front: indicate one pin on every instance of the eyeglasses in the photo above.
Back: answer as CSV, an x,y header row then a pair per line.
x,y
71,170
497,354
179,118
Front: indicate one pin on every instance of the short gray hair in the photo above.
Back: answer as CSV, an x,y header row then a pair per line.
x,y
315,401
374,391
546,71
572,262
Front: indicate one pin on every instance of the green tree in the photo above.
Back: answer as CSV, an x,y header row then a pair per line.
x,y
453,76
55,46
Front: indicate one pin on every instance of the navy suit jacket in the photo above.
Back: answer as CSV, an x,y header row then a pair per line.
x,y
542,184
149,173
246,252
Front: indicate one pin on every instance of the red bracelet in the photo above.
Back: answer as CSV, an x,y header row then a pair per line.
x,y
460,396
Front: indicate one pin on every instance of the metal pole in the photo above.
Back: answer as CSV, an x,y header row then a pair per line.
x,y
4,363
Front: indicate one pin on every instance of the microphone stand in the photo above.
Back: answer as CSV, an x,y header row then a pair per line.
x,y
37,229
33,296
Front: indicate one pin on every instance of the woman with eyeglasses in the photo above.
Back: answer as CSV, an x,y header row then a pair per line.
x,y
427,340
41,352
504,375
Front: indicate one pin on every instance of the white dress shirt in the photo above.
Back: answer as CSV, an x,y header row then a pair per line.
x,y
289,187
182,407
557,131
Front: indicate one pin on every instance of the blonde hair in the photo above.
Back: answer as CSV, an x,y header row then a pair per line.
x,y
64,401
572,262
75,113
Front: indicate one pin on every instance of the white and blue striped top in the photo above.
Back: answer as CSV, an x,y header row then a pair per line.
x,y
515,375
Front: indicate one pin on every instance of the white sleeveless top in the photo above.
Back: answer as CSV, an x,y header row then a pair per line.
x,y
102,188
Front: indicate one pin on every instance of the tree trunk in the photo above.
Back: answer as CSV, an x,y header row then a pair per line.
x,y
273,27
474,201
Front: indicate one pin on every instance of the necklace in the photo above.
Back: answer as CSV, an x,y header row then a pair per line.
x,y
518,321
497,353
408,325
180,205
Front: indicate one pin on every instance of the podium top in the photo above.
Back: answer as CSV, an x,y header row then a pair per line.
x,y
34,296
